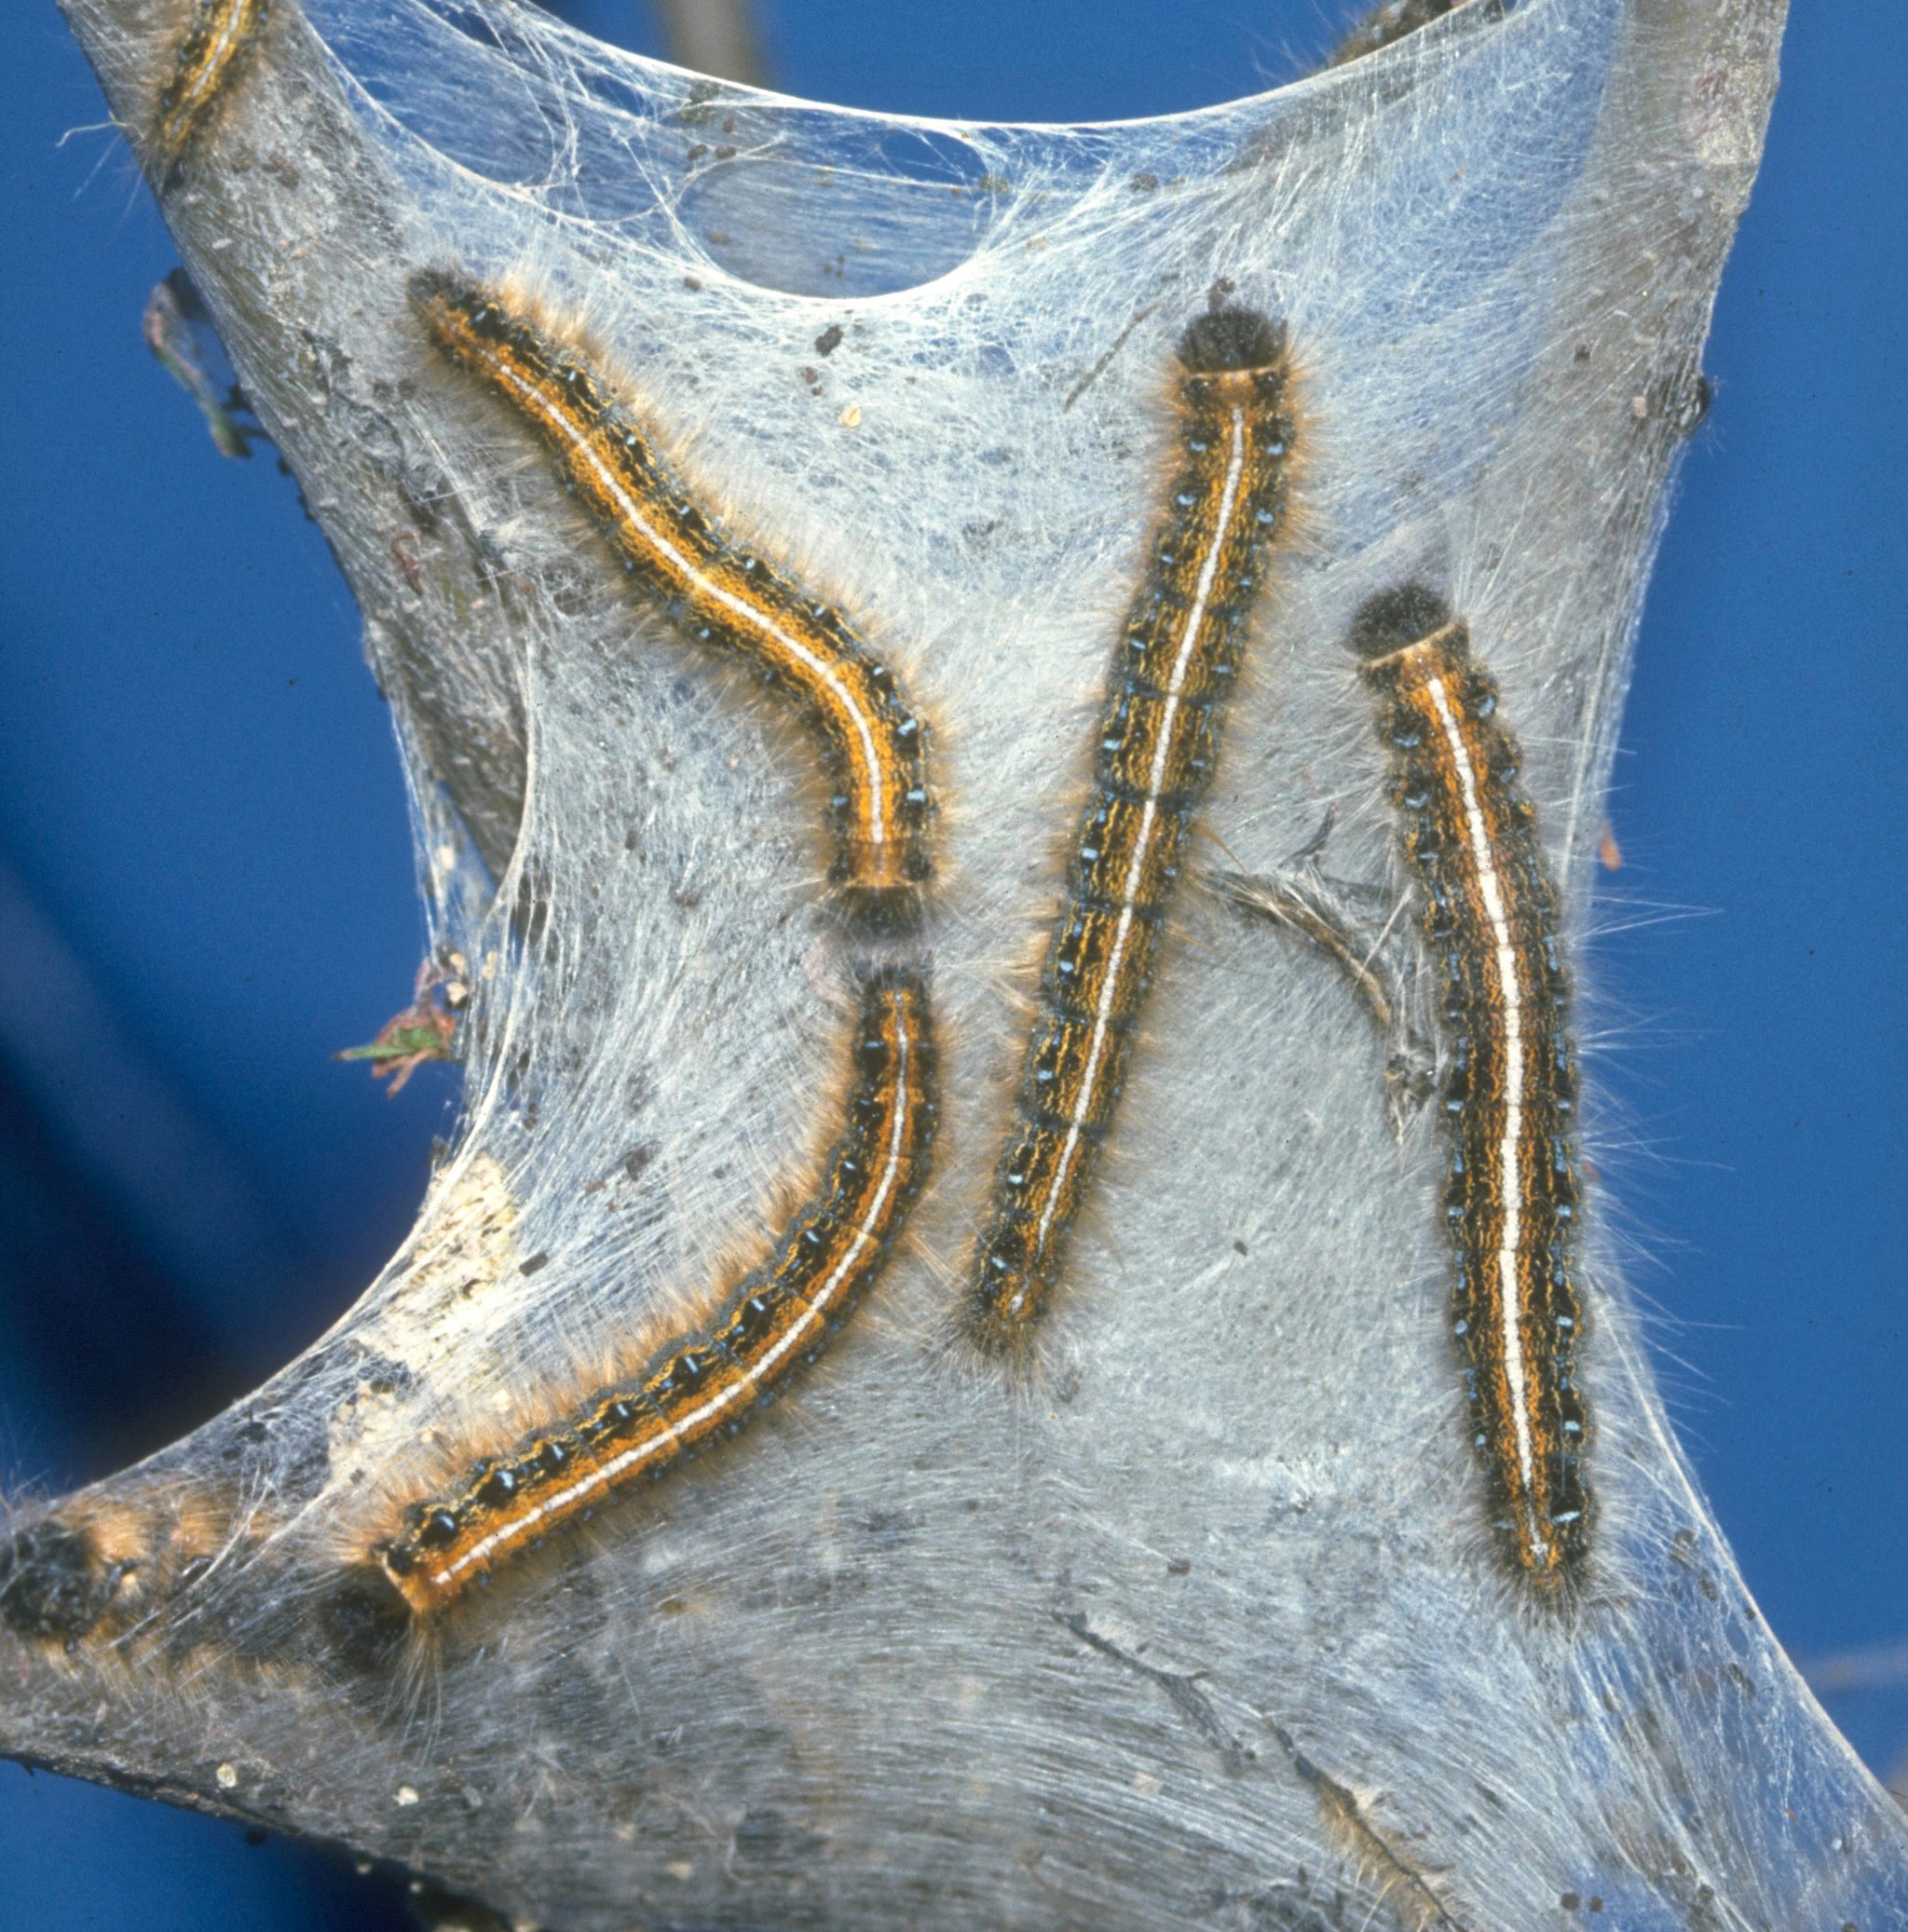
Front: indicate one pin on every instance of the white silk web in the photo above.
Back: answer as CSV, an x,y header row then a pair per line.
x,y
1205,1627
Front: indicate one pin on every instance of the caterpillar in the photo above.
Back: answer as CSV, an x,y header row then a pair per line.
x,y
874,742
706,1385
1153,758
1392,22
221,34
1510,1203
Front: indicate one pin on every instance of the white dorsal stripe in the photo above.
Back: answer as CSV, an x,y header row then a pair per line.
x,y
1503,962
1183,662
232,29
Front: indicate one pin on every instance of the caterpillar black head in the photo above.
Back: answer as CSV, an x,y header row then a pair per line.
x,y
1226,340
1394,620
50,1583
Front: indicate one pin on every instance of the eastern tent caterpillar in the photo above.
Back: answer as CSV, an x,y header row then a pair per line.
x,y
873,741
707,1383
1490,921
108,1559
1393,22
1153,761
212,45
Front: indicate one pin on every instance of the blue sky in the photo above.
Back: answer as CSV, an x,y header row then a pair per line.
x,y
199,795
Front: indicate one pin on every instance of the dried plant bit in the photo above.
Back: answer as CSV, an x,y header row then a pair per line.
x,y
1158,739
212,51
1303,901
1490,924
874,742
706,1385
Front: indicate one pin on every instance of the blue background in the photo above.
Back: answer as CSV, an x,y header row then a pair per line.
x,y
200,801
